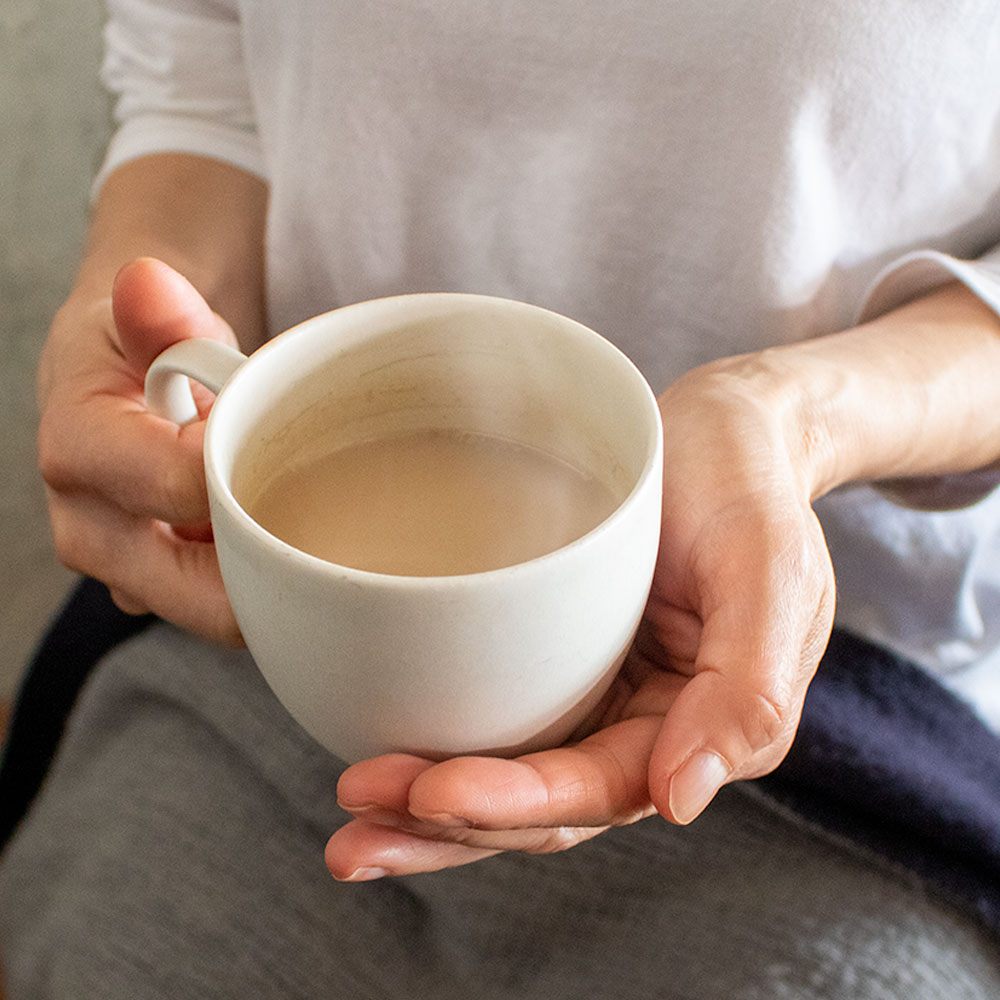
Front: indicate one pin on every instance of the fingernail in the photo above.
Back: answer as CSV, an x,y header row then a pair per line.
x,y
695,784
366,875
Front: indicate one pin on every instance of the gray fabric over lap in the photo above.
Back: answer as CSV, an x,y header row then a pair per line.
x,y
177,850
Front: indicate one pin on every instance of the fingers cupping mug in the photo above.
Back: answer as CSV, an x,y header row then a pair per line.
x,y
436,516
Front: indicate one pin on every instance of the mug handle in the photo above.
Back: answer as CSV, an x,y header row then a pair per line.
x,y
210,362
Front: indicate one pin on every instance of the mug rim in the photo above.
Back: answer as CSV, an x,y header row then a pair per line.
x,y
220,489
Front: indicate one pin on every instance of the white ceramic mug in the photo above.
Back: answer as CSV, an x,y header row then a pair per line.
x,y
503,661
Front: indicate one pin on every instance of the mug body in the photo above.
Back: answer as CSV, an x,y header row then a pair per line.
x,y
502,661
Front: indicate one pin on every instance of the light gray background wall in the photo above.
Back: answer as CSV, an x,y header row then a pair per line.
x,y
53,126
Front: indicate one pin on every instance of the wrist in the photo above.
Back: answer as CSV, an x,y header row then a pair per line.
x,y
771,408
908,398
822,418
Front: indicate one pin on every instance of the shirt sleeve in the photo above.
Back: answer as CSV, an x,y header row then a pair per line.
x,y
177,75
910,276
921,271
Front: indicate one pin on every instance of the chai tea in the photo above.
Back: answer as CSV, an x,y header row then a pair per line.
x,y
432,503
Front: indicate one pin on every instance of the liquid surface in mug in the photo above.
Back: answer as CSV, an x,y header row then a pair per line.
x,y
432,503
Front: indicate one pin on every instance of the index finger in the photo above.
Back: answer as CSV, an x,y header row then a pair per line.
x,y
600,781
112,447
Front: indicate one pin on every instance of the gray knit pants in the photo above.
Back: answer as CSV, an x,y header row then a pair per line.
x,y
177,851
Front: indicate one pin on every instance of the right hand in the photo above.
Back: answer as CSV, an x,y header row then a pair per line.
x,y
127,495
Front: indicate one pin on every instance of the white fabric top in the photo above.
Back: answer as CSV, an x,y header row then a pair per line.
x,y
692,180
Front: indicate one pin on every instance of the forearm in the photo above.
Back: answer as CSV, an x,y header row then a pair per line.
x,y
201,216
911,394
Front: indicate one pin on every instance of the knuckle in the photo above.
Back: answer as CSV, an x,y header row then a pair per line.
x,y
610,782
55,459
766,720
185,494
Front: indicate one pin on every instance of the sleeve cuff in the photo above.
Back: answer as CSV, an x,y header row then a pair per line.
x,y
150,134
921,271
915,274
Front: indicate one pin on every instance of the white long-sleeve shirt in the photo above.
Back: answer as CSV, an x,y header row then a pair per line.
x,y
691,179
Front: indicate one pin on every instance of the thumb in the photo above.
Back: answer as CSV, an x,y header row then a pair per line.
x,y
759,648
155,306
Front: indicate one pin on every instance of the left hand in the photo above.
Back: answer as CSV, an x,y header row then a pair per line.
x,y
738,617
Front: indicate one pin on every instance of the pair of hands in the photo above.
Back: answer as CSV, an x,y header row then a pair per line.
x,y
739,614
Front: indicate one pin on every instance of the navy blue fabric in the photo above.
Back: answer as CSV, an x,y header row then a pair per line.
x,y
88,626
887,757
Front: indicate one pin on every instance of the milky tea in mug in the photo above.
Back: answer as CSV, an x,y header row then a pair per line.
x,y
436,517
431,503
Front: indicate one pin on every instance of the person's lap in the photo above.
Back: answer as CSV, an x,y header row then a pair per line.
x,y
177,849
